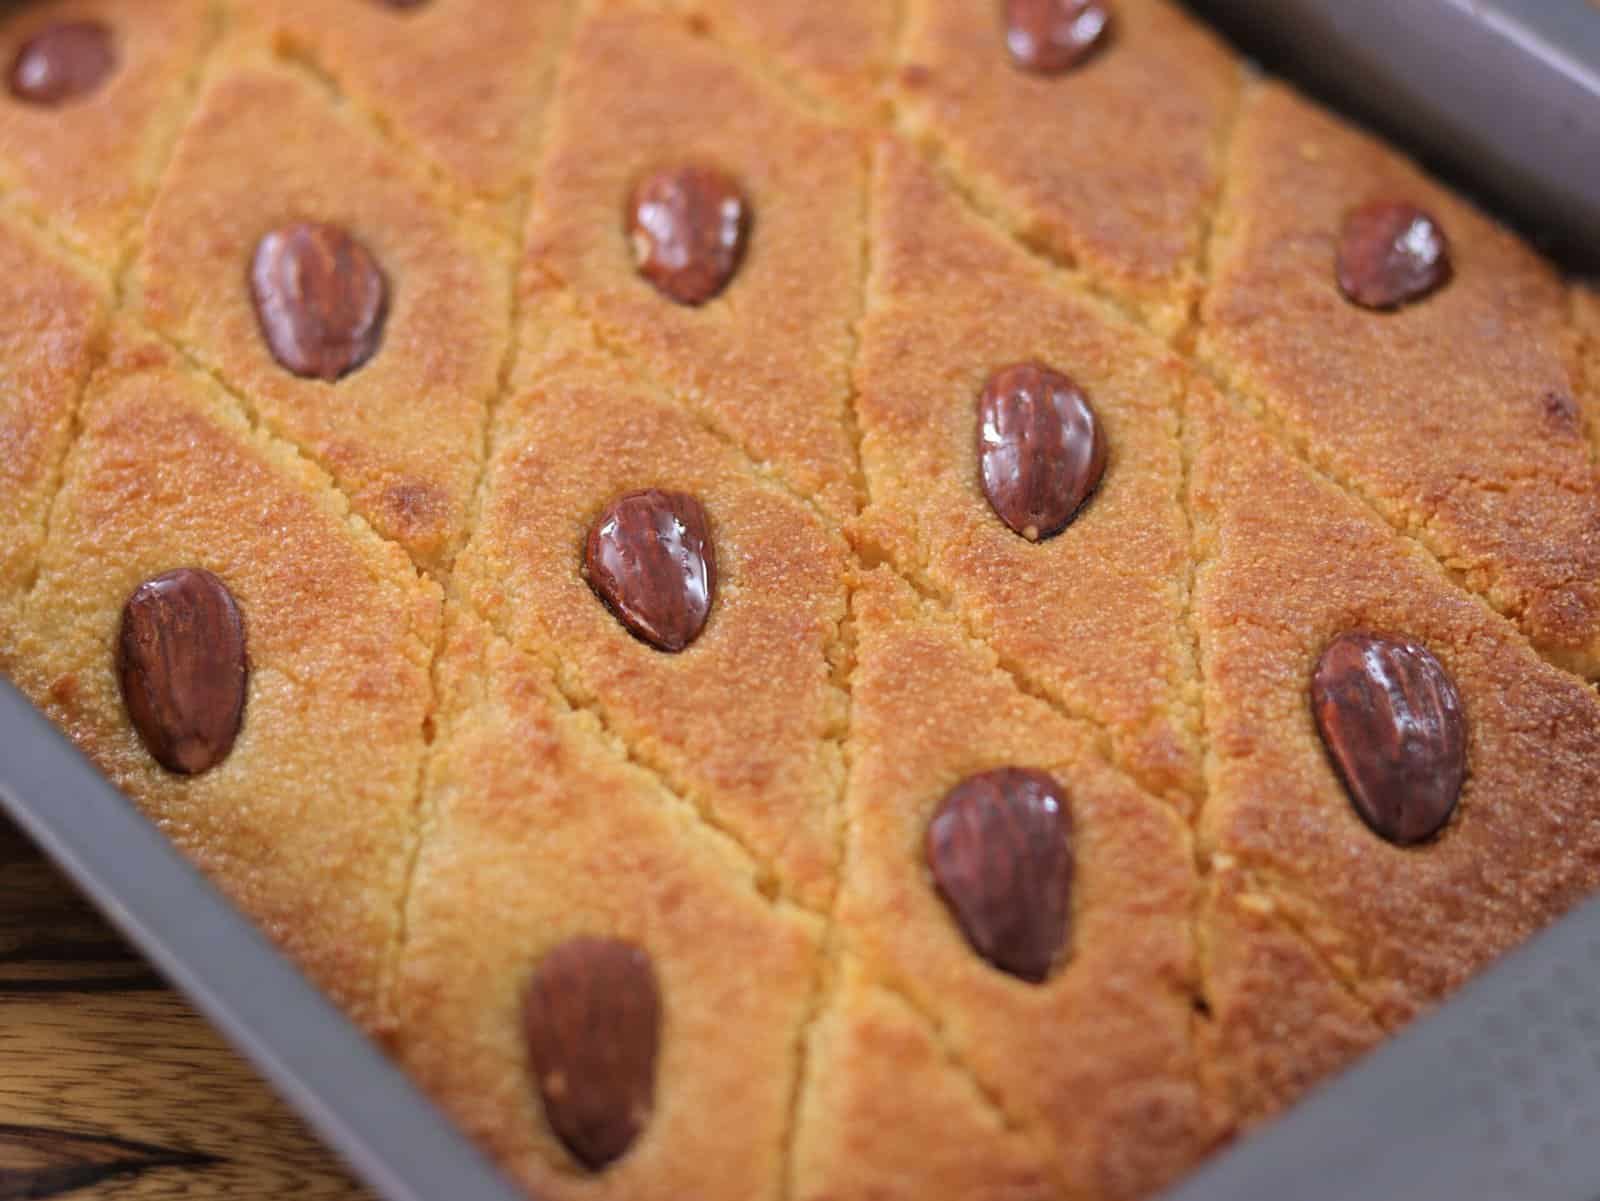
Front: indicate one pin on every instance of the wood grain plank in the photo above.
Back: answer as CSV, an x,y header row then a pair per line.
x,y
110,1085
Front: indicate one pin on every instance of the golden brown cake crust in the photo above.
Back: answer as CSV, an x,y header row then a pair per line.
x,y
1112,167
748,722
839,58
767,364
1586,351
403,435
1116,1105
454,757
51,324
88,167
307,822
929,341
461,85
1288,562
938,1128
537,829
1490,473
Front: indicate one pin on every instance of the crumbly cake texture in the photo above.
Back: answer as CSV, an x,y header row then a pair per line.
x,y
749,727
165,471
460,87
1585,349
1118,177
769,369
538,828
833,59
1361,398
1126,996
256,151
929,340
455,759
88,169
52,319
1287,561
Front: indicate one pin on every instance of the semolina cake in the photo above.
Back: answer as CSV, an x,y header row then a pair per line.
x,y
924,599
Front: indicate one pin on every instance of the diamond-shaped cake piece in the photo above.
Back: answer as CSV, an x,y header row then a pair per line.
x,y
1097,1059
1320,933
401,431
1092,616
1451,415
538,831
95,94
747,720
1112,165
51,317
766,361
306,822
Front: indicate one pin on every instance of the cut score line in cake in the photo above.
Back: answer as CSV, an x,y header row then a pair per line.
x,y
1045,440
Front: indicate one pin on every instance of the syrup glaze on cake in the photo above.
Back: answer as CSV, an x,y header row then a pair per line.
x,y
811,602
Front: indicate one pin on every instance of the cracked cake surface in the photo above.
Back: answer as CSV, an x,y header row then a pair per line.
x,y
808,602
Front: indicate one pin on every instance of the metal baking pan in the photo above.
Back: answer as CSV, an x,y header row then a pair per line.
x,y
1496,1097
389,1134
1500,97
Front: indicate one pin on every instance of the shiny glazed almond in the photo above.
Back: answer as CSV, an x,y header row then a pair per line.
x,y
320,299
592,1017
1051,36
1041,452
688,227
63,62
1391,254
1391,720
183,669
1001,855
651,560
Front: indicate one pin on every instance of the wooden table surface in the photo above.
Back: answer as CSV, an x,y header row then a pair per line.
x,y
110,1085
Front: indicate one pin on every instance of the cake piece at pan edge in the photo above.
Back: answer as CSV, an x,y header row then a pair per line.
x,y
948,600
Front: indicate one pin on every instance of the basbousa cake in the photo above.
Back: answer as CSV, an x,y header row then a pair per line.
x,y
942,599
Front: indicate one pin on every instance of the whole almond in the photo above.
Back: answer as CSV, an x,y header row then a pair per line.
x,y
1391,254
651,559
688,227
592,1018
320,298
1048,37
1041,451
1001,855
1391,720
63,62
182,666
